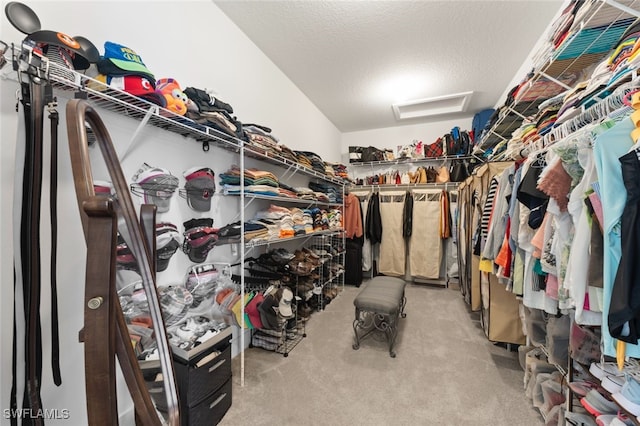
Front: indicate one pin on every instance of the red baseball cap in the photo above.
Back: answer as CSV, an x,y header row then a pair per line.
x,y
138,86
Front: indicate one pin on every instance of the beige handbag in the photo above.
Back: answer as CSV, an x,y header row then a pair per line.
x,y
423,175
443,175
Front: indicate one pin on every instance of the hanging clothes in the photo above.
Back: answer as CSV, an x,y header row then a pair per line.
x,y
407,215
517,269
425,245
392,246
530,200
625,297
445,216
373,221
352,217
463,238
354,240
497,207
577,280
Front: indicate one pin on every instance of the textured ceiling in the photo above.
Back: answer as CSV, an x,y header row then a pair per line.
x,y
340,54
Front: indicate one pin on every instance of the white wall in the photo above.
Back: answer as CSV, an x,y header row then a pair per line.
x,y
196,44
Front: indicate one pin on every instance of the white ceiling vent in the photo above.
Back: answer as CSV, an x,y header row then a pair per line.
x,y
432,106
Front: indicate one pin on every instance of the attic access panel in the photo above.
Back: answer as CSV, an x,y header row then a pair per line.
x,y
439,105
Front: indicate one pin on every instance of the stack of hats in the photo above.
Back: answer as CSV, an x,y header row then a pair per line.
x,y
123,69
199,188
124,257
156,185
101,187
226,298
230,233
202,281
69,53
276,307
192,331
252,314
175,301
199,238
167,243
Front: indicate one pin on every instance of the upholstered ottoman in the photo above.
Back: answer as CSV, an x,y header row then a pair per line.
x,y
378,306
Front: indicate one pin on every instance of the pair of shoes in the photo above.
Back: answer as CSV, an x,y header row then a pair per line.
x,y
542,387
553,395
555,415
596,404
629,395
619,419
613,384
535,363
579,419
304,310
583,387
330,293
602,369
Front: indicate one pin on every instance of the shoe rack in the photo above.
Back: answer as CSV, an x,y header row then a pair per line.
x,y
331,249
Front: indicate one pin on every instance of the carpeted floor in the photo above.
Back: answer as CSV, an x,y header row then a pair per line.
x,y
446,372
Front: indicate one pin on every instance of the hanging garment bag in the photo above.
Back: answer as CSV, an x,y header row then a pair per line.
x,y
366,246
353,262
392,246
425,245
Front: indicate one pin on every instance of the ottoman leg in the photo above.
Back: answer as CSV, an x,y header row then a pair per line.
x,y
356,322
392,332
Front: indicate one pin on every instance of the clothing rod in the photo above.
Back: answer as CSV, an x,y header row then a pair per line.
x,y
611,104
407,186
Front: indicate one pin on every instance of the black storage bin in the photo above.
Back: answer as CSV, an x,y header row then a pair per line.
x,y
198,382
211,410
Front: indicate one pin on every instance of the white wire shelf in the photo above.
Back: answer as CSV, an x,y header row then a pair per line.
x,y
105,97
554,66
441,159
259,243
404,185
284,199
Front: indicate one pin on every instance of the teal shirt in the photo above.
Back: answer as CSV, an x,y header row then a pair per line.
x,y
608,148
